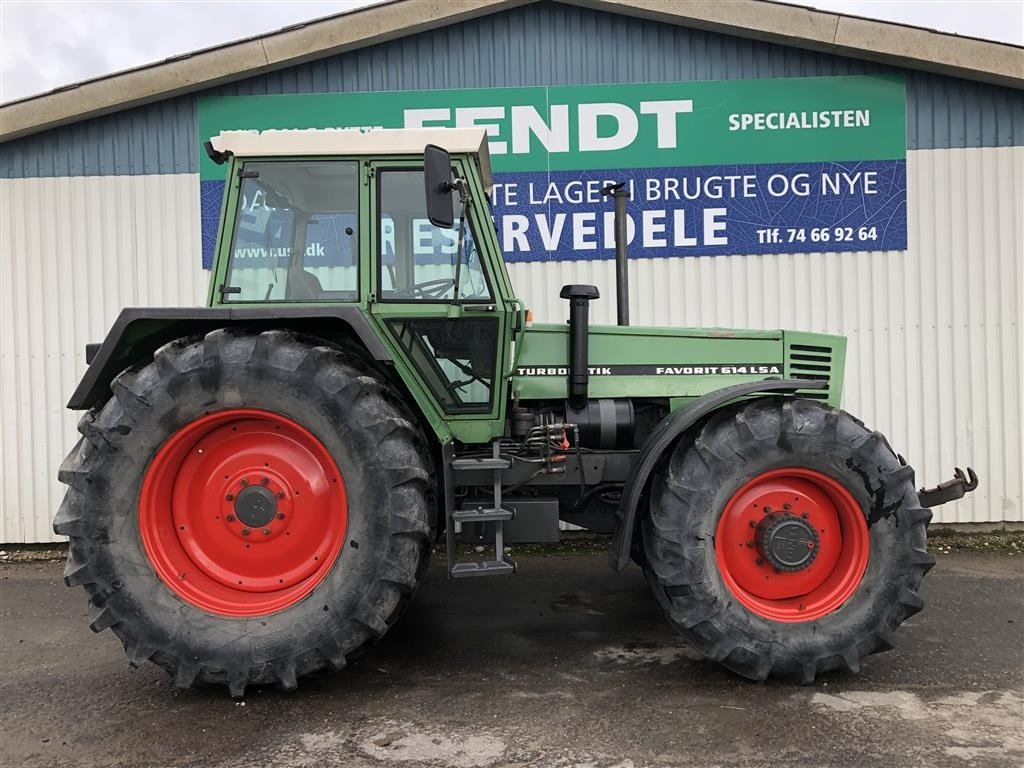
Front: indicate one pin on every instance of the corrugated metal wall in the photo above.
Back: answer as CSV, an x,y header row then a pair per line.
x,y
541,44
73,252
935,341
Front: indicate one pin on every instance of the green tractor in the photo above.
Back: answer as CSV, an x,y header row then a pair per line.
x,y
260,482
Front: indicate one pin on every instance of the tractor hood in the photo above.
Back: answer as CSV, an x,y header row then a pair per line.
x,y
640,362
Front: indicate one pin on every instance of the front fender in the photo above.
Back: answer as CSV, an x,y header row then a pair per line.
x,y
664,435
138,332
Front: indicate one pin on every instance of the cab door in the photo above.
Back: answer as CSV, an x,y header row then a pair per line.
x,y
444,312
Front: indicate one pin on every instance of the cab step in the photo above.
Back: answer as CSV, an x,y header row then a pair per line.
x,y
504,567
495,515
481,515
468,465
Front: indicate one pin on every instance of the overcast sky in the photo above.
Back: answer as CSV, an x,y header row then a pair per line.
x,y
44,45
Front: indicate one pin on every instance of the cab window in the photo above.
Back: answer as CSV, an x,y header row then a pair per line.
x,y
418,261
296,233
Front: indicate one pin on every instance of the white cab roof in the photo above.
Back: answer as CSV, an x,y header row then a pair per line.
x,y
350,141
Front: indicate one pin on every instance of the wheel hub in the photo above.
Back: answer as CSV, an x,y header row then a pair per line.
x,y
256,506
792,544
242,512
787,542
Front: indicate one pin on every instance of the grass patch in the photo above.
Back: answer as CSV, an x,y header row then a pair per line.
x,y
574,543
947,541
33,553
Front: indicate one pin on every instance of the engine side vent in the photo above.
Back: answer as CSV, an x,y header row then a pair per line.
x,y
813,363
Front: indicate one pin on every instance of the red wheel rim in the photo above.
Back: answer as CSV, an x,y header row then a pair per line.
x,y
792,545
242,512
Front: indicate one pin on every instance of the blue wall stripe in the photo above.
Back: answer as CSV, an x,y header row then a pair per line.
x,y
540,44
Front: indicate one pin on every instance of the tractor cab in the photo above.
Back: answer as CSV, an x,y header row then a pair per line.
x,y
371,219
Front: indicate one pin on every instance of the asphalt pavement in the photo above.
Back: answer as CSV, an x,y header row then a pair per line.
x,y
564,665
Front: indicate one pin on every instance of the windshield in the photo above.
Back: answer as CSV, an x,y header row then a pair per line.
x,y
418,260
296,233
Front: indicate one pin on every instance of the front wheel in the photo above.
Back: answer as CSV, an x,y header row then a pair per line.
x,y
248,508
785,538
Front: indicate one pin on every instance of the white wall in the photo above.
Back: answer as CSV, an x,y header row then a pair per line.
x,y
935,343
73,252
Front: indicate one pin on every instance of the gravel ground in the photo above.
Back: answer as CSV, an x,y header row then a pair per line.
x,y
564,665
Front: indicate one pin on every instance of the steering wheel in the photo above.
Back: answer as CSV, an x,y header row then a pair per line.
x,y
428,289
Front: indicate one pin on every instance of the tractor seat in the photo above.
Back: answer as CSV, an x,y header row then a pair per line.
x,y
303,285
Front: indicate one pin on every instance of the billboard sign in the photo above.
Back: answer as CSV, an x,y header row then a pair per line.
x,y
713,168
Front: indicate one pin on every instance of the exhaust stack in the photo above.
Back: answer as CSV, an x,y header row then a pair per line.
x,y
621,195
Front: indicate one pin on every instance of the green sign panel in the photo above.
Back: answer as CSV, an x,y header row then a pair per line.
x,y
615,126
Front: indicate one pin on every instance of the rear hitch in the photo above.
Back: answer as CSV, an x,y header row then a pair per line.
x,y
951,490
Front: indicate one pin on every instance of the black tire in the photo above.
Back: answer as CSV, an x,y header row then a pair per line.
x,y
359,420
692,489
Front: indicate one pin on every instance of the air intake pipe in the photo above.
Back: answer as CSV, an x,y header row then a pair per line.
x,y
579,297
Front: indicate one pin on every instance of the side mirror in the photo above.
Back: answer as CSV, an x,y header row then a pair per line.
x,y
437,176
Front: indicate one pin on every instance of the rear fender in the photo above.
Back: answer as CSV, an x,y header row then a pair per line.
x,y
138,333
664,436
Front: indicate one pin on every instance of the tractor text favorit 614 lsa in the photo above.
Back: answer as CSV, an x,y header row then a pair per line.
x,y
260,482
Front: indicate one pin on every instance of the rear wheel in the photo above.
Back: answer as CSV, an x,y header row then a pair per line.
x,y
247,509
785,538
